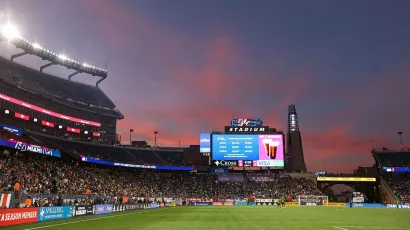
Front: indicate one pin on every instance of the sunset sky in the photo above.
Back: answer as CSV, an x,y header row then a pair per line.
x,y
182,67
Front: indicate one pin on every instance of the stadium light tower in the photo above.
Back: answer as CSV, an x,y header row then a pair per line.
x,y
155,139
401,140
131,130
10,32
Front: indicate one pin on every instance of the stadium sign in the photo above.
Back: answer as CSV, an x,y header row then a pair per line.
x,y
246,129
225,163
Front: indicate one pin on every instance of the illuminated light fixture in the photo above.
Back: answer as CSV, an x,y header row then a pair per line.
x,y
62,57
36,46
85,64
85,132
10,32
35,119
60,127
7,111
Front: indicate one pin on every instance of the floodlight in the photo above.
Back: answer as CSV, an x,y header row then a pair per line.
x,y
10,31
36,46
85,64
62,57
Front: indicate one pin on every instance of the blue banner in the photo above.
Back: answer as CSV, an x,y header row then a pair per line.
x,y
200,203
55,213
173,168
205,143
252,204
30,148
103,209
366,205
154,205
11,129
110,163
400,206
219,169
241,203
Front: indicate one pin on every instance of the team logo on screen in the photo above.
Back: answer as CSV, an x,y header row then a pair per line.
x,y
226,163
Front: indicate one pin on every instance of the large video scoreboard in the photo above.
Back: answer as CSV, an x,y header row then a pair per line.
x,y
262,150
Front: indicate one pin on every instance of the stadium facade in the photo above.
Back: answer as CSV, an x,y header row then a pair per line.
x,y
39,97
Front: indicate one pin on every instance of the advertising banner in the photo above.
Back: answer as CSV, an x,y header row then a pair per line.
x,y
291,204
83,210
11,129
103,209
265,203
400,206
365,205
134,206
30,148
119,208
218,203
263,200
251,203
55,213
336,204
220,169
223,163
205,143
200,203
347,179
18,216
241,203
311,203
229,203
358,199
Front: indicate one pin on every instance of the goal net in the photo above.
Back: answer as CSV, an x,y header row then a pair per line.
x,y
313,200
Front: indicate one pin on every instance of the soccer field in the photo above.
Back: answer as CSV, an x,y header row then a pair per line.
x,y
238,218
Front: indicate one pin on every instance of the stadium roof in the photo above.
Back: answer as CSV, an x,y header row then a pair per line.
x,y
10,33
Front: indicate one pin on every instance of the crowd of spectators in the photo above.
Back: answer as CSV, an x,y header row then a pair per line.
x,y
401,187
37,174
277,187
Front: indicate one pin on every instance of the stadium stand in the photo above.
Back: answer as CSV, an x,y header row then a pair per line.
x,y
389,162
41,83
115,153
42,174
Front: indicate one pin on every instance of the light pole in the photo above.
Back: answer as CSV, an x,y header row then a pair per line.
x,y
401,140
131,130
155,139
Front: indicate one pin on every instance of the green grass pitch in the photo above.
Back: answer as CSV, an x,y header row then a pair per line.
x,y
237,218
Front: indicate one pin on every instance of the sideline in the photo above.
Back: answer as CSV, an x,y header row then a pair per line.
x,y
360,227
98,218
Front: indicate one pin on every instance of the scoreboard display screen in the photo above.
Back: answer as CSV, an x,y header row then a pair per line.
x,y
251,150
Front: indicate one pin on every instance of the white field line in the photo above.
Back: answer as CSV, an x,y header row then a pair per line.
x,y
360,227
340,228
91,219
